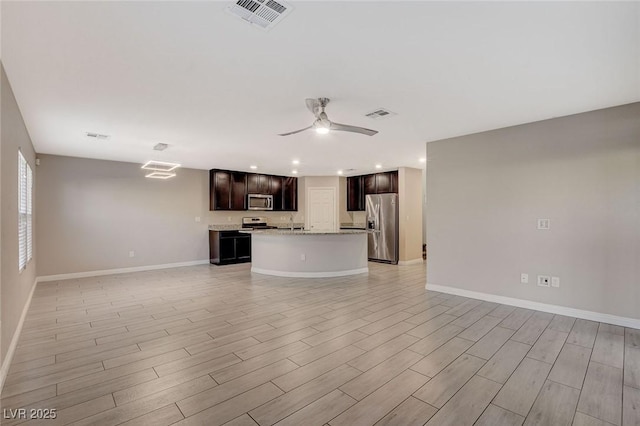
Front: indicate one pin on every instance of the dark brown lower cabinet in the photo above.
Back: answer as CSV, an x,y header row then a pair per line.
x,y
226,247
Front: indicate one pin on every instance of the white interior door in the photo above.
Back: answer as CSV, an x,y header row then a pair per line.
x,y
321,205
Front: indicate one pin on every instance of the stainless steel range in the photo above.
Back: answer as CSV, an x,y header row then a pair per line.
x,y
256,223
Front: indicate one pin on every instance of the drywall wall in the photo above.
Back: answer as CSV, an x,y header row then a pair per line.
x,y
410,214
15,285
424,206
95,212
486,191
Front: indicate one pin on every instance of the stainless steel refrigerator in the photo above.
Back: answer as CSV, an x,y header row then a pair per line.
x,y
382,227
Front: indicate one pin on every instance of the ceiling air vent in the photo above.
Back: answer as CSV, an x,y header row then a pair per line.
x,y
263,13
97,136
380,113
160,146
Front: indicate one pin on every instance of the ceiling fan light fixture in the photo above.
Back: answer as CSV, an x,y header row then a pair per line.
x,y
321,127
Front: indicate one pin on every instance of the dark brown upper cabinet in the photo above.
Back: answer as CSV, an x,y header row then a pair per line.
x,y
355,193
258,184
238,198
383,183
229,189
276,191
360,186
369,183
220,185
290,194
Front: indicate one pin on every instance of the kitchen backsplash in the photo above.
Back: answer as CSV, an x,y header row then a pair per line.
x,y
235,218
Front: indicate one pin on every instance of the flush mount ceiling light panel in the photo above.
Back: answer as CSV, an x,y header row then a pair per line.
x,y
264,14
380,113
160,166
160,175
160,147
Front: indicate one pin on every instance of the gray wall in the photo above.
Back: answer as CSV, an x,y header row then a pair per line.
x,y
485,192
93,212
15,286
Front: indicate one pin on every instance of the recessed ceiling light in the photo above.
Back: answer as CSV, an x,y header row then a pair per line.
x,y
339,172
253,167
160,175
295,172
295,162
378,166
161,166
422,160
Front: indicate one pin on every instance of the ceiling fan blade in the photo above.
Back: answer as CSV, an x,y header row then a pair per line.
x,y
295,131
313,105
353,129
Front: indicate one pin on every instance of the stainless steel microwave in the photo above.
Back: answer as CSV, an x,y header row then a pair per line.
x,y
259,202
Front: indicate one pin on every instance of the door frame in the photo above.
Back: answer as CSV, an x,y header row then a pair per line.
x,y
307,214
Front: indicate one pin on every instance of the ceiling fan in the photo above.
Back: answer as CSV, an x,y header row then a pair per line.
x,y
323,125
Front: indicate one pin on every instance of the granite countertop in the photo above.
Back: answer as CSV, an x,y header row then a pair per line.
x,y
353,226
238,227
229,227
303,232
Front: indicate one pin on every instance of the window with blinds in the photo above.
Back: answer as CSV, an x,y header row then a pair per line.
x,y
25,212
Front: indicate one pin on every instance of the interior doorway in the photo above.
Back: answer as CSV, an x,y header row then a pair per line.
x,y
321,209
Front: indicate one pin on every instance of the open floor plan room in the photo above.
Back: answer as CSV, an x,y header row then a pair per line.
x,y
219,345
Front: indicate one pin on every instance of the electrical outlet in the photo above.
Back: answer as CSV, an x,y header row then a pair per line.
x,y
544,224
132,253
555,282
544,280
524,278
197,218
303,257
228,218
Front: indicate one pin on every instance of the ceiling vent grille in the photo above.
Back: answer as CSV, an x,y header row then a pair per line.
x,y
380,113
160,146
98,136
263,13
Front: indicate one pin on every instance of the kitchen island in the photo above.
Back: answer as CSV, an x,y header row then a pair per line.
x,y
309,254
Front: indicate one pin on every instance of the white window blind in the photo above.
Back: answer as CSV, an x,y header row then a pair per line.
x,y
25,212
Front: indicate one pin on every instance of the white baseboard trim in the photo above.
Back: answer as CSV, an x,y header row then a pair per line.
x,y
544,307
4,370
410,262
329,274
86,274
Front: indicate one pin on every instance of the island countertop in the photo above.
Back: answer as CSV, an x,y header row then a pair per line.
x,y
303,232
309,254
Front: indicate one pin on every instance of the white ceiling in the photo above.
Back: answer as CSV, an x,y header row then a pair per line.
x,y
218,90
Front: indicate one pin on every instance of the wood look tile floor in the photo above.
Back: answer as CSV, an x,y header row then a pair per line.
x,y
217,345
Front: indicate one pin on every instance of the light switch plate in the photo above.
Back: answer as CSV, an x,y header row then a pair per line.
x,y
555,282
524,278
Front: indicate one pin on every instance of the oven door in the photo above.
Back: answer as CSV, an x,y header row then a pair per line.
x,y
260,202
